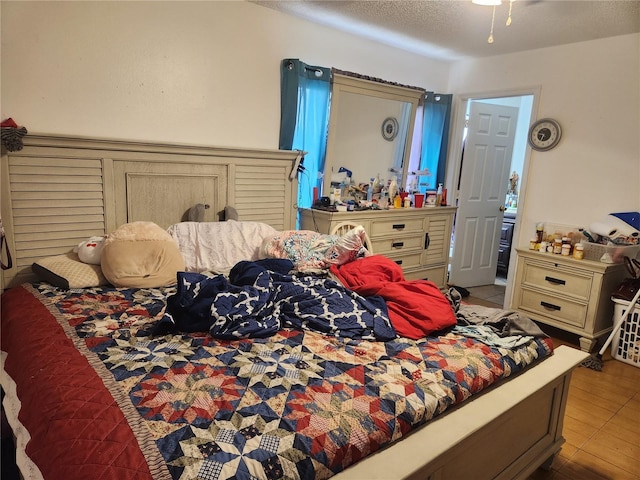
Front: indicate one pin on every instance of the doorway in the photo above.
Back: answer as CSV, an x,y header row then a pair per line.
x,y
499,250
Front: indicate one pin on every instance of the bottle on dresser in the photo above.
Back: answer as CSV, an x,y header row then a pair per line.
x,y
393,188
384,198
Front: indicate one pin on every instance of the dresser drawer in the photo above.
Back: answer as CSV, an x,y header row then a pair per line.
x,y
402,225
398,244
560,309
407,260
558,280
437,275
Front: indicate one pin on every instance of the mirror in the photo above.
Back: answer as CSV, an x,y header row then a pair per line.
x,y
370,130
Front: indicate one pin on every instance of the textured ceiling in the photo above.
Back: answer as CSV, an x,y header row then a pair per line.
x,y
457,29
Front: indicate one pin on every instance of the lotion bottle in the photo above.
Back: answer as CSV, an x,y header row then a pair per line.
x,y
384,198
376,184
393,188
370,190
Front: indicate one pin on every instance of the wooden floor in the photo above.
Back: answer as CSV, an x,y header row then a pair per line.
x,y
602,420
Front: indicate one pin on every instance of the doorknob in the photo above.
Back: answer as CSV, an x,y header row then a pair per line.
x,y
502,208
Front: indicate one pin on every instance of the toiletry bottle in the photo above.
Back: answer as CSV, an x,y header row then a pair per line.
x,y
344,188
439,195
578,251
384,198
370,190
377,184
393,188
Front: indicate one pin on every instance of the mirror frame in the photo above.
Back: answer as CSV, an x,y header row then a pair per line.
x,y
349,84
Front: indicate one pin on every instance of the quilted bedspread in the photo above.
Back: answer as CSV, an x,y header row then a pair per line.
x,y
105,399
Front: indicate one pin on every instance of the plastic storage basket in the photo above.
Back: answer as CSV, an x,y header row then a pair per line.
x,y
595,251
626,344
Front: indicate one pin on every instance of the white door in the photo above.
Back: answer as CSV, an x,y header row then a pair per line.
x,y
483,187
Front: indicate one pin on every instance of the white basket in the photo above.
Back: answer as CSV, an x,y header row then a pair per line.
x,y
596,252
626,344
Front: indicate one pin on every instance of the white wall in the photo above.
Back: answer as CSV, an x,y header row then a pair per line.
x,y
186,72
593,90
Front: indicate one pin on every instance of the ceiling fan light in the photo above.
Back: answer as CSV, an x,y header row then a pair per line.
x,y
487,2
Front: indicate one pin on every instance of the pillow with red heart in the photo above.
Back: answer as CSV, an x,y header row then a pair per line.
x,y
90,251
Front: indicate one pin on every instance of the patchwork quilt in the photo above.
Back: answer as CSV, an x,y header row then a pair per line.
x,y
103,397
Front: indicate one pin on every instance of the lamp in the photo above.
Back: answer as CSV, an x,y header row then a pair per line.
x,y
494,4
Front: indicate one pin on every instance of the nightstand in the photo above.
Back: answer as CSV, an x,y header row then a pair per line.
x,y
572,295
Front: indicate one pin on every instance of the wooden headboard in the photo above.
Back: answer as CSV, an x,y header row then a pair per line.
x,y
58,191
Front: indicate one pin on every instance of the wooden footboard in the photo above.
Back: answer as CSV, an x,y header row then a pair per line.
x,y
505,433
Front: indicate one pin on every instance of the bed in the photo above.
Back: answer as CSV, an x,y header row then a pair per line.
x,y
96,388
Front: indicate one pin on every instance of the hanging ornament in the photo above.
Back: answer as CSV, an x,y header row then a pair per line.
x,y
493,19
509,17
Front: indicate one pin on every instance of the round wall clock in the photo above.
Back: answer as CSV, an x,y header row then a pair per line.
x,y
544,134
389,128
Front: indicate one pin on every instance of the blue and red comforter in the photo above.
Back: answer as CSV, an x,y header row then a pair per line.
x,y
103,397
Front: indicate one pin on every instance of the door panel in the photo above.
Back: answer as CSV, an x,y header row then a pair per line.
x,y
483,188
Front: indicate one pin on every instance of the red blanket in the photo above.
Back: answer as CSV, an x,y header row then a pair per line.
x,y
63,448
416,307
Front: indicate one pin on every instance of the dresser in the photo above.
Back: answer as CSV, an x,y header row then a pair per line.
x,y
506,238
572,295
417,239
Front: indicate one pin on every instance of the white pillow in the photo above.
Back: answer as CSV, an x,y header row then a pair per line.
x,y
218,246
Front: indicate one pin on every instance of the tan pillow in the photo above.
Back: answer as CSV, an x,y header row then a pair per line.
x,y
67,271
141,255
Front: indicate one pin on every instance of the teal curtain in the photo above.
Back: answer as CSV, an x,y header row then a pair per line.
x,y
435,138
304,121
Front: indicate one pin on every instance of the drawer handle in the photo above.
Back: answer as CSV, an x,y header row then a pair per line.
x,y
555,281
427,240
550,306
397,245
398,226
399,262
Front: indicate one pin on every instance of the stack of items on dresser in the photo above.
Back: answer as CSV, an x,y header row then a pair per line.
x,y
557,239
378,194
613,237
607,240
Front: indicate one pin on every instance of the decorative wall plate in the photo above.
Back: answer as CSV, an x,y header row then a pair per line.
x,y
389,128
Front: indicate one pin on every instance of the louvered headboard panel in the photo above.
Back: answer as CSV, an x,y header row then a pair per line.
x,y
58,191
260,194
